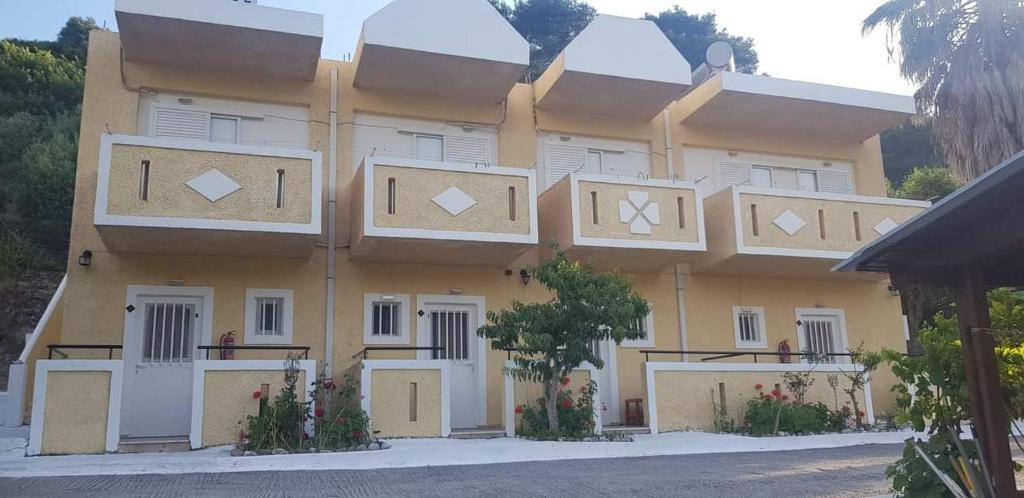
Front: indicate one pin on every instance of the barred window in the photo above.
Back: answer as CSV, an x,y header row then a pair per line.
x,y
748,322
386,319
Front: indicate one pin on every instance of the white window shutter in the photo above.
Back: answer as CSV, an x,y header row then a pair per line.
x,y
730,174
560,160
836,182
181,123
467,149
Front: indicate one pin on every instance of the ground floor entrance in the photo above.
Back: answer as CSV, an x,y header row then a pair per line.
x,y
449,324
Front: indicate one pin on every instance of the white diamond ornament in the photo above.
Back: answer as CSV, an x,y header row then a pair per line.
x,y
789,222
213,185
885,226
639,212
454,200
638,198
626,211
652,213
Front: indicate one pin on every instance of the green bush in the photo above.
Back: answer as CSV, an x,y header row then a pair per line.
x,y
281,422
793,418
575,418
339,418
17,254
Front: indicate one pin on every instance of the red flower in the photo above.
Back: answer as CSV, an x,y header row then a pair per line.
x,y
519,410
566,403
860,414
341,421
776,393
305,436
357,434
328,384
257,395
784,397
565,381
758,386
318,413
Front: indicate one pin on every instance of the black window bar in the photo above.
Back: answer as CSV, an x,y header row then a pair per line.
x,y
59,347
721,355
303,349
365,352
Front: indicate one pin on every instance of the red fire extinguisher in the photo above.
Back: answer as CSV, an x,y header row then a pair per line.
x,y
784,352
226,341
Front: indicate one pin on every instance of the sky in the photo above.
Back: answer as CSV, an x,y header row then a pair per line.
x,y
809,40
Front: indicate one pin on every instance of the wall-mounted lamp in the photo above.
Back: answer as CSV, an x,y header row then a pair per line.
x,y
894,290
85,259
524,276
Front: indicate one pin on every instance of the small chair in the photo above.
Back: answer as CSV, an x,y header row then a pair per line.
x,y
635,412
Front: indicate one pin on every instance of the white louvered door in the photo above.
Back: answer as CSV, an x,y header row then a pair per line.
x,y
471,150
453,327
159,359
181,123
560,160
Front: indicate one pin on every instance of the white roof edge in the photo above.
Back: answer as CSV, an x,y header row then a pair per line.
x,y
229,13
803,90
599,49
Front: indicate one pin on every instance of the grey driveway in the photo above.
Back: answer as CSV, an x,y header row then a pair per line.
x,y
854,471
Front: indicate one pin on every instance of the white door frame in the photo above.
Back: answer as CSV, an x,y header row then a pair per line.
x,y
611,368
202,337
423,340
840,315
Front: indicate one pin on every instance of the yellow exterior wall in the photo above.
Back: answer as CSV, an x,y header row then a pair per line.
x,y
170,196
685,398
50,335
840,230
95,299
75,414
391,403
228,401
414,206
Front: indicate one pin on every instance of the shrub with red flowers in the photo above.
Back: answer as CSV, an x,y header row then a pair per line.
x,y
279,423
772,412
339,417
575,415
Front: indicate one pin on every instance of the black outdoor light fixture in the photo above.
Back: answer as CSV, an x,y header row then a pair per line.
x,y
524,275
894,290
85,259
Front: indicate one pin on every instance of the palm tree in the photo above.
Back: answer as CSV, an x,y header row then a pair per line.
x,y
967,56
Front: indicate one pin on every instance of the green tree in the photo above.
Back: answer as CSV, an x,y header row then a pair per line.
x,y
44,186
908,146
966,57
691,34
548,25
554,338
38,82
929,183
73,39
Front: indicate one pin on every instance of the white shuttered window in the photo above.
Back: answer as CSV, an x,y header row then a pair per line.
x,y
749,327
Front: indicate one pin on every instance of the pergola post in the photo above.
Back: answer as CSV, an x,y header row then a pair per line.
x,y
986,399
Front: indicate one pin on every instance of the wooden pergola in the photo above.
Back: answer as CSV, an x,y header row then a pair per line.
x,y
971,241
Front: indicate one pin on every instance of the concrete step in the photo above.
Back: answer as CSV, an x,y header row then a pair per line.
x,y
154,445
477,433
622,429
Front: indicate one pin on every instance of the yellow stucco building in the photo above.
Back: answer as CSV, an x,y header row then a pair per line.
x,y
231,180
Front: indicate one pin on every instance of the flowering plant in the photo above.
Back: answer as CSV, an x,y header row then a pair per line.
x,y
575,415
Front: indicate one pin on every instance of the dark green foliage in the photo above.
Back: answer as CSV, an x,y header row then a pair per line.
x,y
339,419
575,418
549,25
692,33
929,183
17,254
794,418
908,146
911,476
38,82
554,338
281,422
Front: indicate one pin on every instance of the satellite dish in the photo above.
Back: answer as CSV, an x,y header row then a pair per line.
x,y
719,56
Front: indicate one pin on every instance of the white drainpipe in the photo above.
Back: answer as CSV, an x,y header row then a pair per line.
x,y
680,278
332,235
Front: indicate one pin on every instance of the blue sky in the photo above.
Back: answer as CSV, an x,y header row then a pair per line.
x,y
810,40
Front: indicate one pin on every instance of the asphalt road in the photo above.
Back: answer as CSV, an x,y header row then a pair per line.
x,y
842,472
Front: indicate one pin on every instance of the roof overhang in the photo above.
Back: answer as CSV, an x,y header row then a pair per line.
x,y
222,35
980,225
453,49
617,66
748,102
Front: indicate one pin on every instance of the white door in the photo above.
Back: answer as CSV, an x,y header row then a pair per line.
x,y
606,382
807,181
158,357
821,333
453,327
761,176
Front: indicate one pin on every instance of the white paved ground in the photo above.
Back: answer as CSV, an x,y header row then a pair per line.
x,y
419,453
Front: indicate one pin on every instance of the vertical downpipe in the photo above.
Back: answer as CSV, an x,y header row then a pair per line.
x,y
680,278
332,234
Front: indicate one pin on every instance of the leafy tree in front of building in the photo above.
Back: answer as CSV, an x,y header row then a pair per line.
x,y
693,33
553,338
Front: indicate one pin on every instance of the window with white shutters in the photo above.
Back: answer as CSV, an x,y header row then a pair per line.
x,y
730,174
749,327
472,150
560,160
268,316
181,123
836,182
